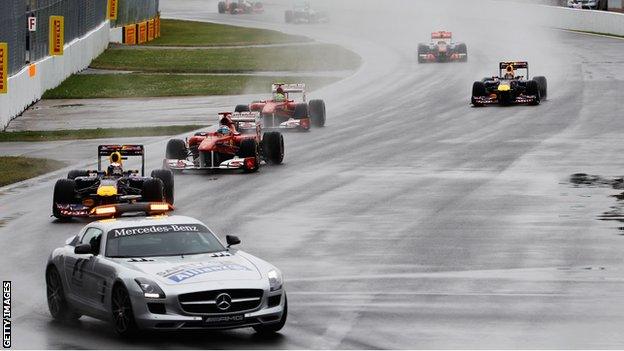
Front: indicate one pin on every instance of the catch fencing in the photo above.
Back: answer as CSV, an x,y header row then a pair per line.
x,y
135,11
13,32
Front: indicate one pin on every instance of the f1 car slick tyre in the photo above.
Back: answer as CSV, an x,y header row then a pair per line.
x,y
123,316
275,327
57,303
289,16
317,113
176,150
273,147
532,88
64,193
75,173
249,148
242,108
166,176
221,7
301,111
543,86
152,190
478,90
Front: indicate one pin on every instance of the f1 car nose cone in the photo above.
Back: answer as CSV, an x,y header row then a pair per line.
x,y
224,302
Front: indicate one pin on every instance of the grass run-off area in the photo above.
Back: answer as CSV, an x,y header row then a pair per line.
x,y
190,33
99,133
316,57
91,86
15,169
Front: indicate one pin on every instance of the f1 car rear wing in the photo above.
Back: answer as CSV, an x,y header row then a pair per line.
x,y
289,88
121,150
117,210
514,65
442,35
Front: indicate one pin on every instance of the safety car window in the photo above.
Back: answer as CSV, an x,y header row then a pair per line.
x,y
93,237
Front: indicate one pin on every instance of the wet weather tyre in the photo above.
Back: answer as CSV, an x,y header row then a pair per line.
x,y
318,113
242,108
221,7
478,90
64,193
57,303
543,86
532,88
233,7
75,173
463,49
275,327
422,50
152,190
301,111
166,176
176,150
248,148
123,316
273,147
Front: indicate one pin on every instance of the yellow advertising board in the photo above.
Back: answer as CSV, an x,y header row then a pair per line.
x,y
57,35
157,29
4,68
130,34
150,30
111,9
142,32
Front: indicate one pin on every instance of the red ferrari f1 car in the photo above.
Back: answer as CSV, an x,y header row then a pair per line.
x,y
240,7
442,49
283,112
237,143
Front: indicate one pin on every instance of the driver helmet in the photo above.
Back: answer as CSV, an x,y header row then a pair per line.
x,y
224,130
509,72
280,97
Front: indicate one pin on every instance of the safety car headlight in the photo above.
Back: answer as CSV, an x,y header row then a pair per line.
x,y
150,289
275,280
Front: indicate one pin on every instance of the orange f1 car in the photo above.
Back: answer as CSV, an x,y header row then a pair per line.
x,y
238,143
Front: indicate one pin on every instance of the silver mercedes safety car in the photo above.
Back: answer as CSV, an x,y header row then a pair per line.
x,y
162,273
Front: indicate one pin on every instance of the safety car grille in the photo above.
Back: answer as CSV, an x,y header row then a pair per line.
x,y
207,302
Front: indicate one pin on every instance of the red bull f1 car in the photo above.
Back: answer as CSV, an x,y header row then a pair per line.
x,y
237,144
83,192
238,7
442,49
284,112
510,88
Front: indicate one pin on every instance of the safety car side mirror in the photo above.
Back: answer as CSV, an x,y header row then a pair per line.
x,y
83,249
232,240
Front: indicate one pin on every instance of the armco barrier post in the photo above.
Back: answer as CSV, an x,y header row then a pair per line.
x,y
4,68
57,35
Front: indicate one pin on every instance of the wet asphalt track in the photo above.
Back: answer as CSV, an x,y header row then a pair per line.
x,y
411,220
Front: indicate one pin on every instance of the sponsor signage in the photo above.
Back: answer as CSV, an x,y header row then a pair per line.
x,y
32,24
142,32
57,35
111,10
150,30
130,34
157,25
4,67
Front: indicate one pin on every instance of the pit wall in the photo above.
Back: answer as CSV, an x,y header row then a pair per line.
x,y
28,85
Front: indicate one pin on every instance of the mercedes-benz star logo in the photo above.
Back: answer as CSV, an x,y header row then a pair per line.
x,y
224,302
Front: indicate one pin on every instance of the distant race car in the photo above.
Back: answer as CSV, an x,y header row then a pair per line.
x,y
238,144
162,274
236,7
302,12
589,4
442,49
509,88
283,112
80,194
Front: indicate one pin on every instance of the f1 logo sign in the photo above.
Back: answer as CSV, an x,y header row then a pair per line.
x,y
32,24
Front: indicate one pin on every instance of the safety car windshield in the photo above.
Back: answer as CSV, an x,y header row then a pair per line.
x,y
161,240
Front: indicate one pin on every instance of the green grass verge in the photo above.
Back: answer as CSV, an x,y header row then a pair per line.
x,y
145,85
15,169
99,133
190,33
317,57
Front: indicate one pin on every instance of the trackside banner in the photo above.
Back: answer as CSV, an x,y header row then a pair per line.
x,y
130,34
4,67
111,10
57,35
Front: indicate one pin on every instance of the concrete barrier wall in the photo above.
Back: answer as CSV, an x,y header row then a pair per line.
x,y
24,90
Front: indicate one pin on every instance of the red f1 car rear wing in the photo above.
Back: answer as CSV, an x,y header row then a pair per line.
x,y
124,151
442,35
289,88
